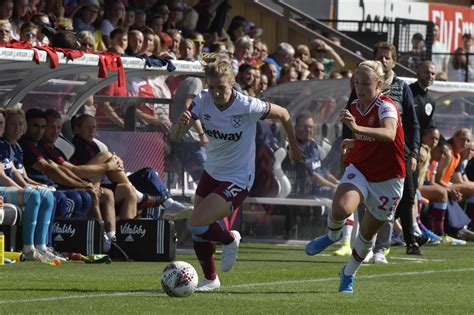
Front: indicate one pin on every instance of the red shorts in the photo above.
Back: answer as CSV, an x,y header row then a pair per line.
x,y
227,190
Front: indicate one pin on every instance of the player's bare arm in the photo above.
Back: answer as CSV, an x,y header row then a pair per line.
x,y
385,133
179,129
278,112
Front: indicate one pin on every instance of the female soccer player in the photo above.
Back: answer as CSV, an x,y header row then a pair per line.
x,y
375,169
229,120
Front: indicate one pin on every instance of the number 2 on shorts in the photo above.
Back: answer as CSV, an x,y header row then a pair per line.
x,y
385,200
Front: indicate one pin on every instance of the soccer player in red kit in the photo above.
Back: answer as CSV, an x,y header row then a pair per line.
x,y
374,169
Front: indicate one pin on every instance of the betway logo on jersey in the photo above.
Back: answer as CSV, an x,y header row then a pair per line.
x,y
223,136
64,229
129,229
364,138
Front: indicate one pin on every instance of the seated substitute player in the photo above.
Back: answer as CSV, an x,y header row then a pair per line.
x,y
375,169
149,189
229,119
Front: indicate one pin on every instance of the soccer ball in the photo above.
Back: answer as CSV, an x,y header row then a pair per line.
x,y
179,279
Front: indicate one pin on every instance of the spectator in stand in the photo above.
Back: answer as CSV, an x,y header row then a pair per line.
x,y
175,34
270,72
28,33
189,21
237,28
316,70
86,39
282,55
114,16
243,52
413,58
212,16
245,78
263,83
440,54
139,21
129,19
175,16
135,43
43,23
462,69
84,17
162,10
302,53
319,50
119,41
155,22
199,43
259,51
187,50
148,47
5,32
288,74
255,87
166,43
6,9
18,17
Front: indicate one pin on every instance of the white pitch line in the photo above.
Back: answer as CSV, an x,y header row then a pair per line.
x,y
238,286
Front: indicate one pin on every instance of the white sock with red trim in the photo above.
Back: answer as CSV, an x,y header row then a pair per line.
x,y
361,249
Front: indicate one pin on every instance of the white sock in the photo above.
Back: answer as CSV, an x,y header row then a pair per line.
x,y
347,230
28,248
41,247
416,229
110,234
168,202
139,196
335,228
361,249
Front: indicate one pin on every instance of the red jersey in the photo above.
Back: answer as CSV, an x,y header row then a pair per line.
x,y
378,161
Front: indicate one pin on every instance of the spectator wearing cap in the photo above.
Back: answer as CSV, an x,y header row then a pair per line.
x,y
84,17
113,17
413,58
43,22
326,55
282,55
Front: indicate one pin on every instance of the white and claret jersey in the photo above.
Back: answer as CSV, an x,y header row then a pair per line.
x,y
231,130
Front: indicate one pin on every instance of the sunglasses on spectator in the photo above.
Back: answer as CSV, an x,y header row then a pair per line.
x,y
199,42
5,31
30,34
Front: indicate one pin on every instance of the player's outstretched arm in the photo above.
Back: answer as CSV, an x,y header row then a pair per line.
x,y
280,113
180,128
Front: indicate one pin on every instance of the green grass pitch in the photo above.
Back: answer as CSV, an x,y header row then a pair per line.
x,y
267,279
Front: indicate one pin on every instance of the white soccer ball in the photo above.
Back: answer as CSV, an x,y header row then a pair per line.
x,y
179,279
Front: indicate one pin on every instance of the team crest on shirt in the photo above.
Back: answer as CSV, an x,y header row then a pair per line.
x,y
371,120
237,121
428,109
